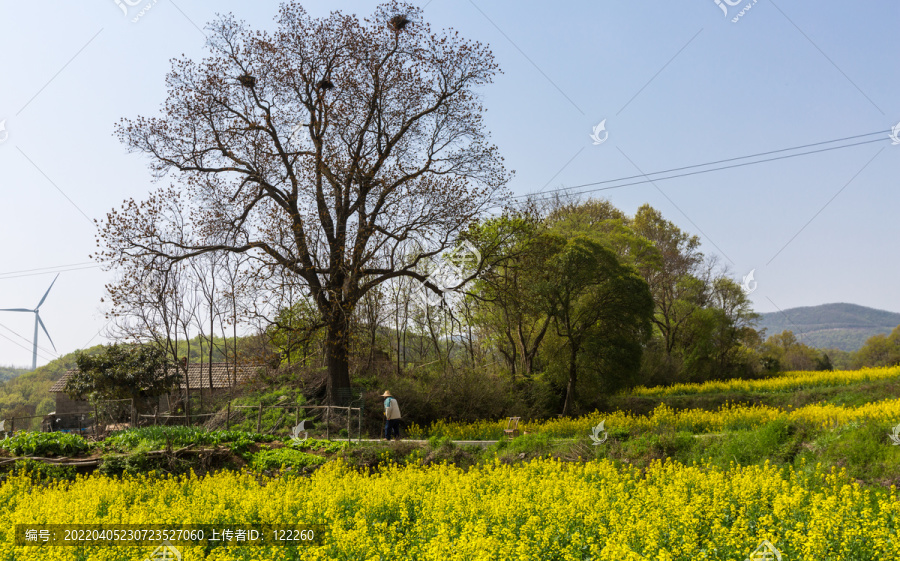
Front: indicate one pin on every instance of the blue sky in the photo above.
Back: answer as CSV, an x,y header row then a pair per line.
x,y
678,83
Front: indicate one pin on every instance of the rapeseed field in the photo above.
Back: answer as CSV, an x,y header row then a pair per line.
x,y
543,509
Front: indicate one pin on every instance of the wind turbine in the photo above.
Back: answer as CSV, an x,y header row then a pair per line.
x,y
37,320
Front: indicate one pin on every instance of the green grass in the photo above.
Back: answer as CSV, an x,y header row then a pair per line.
x,y
279,394
851,395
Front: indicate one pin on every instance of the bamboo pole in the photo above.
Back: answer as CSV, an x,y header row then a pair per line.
x,y
259,419
327,419
228,416
348,425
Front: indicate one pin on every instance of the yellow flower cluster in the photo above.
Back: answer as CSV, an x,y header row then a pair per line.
x,y
544,509
728,417
788,381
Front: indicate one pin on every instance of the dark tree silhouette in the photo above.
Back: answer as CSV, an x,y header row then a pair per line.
x,y
326,150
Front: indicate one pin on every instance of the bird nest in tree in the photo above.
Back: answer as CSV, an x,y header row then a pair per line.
x,y
247,80
398,22
325,84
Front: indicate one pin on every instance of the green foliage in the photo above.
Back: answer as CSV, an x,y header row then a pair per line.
x,y
861,448
784,352
880,350
600,307
130,464
528,444
159,437
325,446
42,472
197,349
280,393
123,372
10,372
283,458
441,443
45,444
296,333
776,441
20,396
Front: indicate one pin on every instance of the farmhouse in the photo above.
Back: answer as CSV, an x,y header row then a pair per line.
x,y
222,376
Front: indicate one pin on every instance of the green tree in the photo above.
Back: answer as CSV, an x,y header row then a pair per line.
x,y
599,220
704,323
880,350
595,302
674,282
718,340
509,304
123,372
785,352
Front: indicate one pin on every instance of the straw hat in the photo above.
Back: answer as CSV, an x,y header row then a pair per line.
x,y
386,394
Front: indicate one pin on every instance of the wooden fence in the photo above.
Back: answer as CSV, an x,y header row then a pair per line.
x,y
76,422
97,425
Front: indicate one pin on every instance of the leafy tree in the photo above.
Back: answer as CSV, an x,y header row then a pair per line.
x,y
599,220
595,302
509,304
326,150
123,372
10,372
880,350
784,352
705,325
718,340
674,281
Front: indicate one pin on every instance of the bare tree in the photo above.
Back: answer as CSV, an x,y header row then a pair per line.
x,y
322,149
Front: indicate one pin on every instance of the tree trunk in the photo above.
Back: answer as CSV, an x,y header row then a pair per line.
x,y
337,358
569,404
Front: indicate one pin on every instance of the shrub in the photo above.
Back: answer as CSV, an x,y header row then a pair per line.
x,y
45,444
284,457
157,437
39,471
326,446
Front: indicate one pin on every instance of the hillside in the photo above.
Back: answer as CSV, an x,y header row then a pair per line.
x,y
10,372
831,326
26,392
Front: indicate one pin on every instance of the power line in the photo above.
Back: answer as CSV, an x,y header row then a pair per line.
x,y
648,179
17,344
6,276
47,177
95,334
47,268
645,178
40,348
31,350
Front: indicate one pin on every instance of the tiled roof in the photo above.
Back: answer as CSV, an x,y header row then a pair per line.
x,y
198,375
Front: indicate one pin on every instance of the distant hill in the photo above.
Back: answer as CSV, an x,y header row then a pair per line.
x,y
10,372
831,326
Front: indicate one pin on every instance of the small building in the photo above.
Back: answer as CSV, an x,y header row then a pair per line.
x,y
224,376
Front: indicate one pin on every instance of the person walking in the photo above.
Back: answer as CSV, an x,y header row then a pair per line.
x,y
391,416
